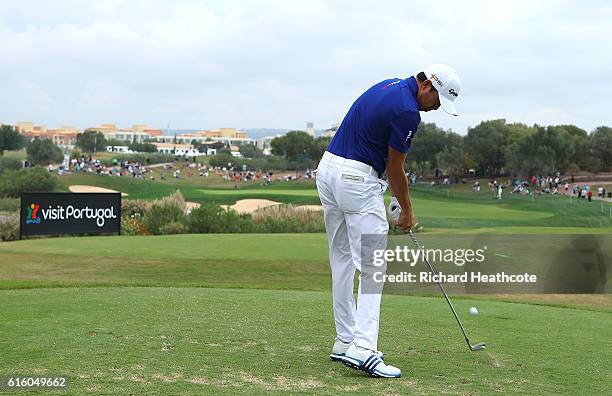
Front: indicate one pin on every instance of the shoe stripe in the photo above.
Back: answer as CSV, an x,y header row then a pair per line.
x,y
376,365
369,360
372,362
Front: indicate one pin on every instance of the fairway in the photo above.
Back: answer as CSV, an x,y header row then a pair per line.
x,y
453,206
260,192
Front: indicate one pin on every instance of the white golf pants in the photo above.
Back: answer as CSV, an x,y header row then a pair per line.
x,y
352,198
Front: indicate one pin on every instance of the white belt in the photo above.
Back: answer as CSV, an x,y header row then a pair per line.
x,y
336,159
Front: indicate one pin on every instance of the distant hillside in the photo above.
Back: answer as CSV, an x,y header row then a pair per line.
x,y
172,132
256,133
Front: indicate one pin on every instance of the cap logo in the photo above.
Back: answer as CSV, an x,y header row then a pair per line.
x,y
436,79
452,92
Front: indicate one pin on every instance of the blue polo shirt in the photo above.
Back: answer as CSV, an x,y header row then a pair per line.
x,y
385,115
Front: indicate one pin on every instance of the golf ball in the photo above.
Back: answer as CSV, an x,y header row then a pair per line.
x,y
473,311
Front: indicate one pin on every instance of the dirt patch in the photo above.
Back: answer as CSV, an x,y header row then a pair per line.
x,y
280,382
250,205
199,380
167,378
79,188
138,378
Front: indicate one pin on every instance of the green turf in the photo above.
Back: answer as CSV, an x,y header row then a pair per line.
x,y
17,154
262,261
250,314
435,207
216,338
203,341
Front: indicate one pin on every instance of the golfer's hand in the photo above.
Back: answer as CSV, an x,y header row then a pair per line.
x,y
406,220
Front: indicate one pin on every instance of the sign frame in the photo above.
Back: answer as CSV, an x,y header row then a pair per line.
x,y
32,195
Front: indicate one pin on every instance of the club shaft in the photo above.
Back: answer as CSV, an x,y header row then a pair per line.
x,y
450,304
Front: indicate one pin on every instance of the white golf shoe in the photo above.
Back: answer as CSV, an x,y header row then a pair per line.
x,y
370,362
339,350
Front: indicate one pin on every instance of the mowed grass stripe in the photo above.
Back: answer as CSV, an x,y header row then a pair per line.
x,y
253,261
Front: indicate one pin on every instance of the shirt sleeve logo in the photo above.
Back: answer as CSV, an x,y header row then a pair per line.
x,y
393,83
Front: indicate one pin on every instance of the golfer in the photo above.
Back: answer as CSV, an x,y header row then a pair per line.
x,y
374,136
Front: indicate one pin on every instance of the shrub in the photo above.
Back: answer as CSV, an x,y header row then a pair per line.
x,y
143,158
9,227
176,198
205,219
134,207
160,214
173,228
133,226
288,218
76,153
9,204
10,164
221,160
44,152
210,218
12,183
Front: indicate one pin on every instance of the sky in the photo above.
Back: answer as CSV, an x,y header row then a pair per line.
x,y
278,64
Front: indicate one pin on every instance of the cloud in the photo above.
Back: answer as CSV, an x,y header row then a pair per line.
x,y
205,64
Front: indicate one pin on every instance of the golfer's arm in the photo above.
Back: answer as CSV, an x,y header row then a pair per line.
x,y
397,178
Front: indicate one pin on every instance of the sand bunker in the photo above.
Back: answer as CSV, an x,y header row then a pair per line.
x,y
77,188
191,206
250,205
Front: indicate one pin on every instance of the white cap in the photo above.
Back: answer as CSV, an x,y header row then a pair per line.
x,y
446,81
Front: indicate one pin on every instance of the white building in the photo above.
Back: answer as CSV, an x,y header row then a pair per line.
x,y
310,129
181,150
331,131
264,144
118,149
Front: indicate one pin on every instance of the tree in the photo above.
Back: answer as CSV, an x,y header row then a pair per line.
x,y
582,147
429,141
294,146
251,151
114,142
541,152
143,147
319,147
44,152
10,139
452,159
601,141
560,141
486,145
91,141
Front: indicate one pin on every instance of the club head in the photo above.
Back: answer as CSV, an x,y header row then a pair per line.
x,y
478,347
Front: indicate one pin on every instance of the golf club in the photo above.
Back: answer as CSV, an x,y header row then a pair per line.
x,y
476,347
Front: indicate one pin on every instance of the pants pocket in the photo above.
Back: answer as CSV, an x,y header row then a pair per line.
x,y
356,191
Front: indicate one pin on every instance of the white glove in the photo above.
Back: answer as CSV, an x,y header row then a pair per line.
x,y
394,209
